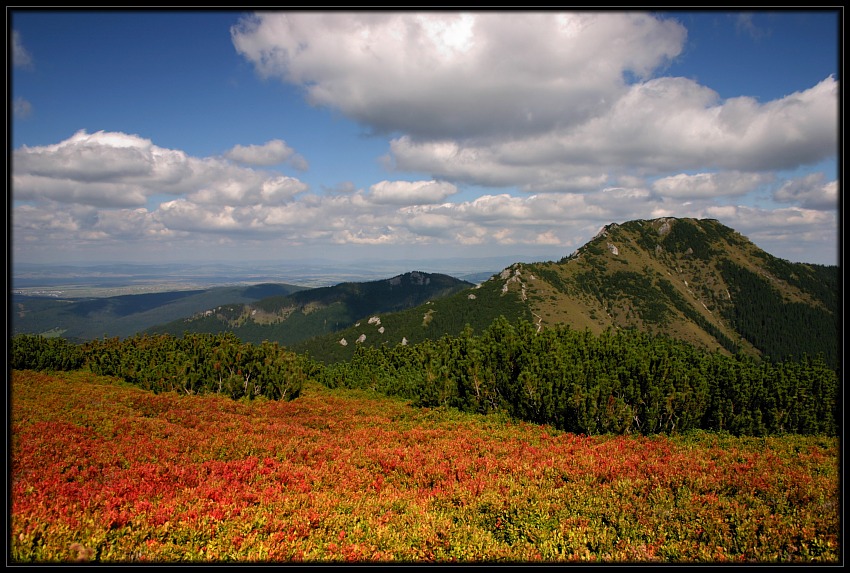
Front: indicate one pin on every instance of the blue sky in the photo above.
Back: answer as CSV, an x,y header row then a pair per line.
x,y
166,136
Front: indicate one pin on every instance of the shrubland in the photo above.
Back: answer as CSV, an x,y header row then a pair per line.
x,y
513,445
103,471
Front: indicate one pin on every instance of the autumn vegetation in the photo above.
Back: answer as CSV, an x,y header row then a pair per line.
x,y
507,446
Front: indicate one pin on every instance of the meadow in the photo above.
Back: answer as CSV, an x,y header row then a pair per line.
x,y
102,471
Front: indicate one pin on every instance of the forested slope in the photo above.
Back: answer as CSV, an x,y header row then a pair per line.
x,y
620,382
315,312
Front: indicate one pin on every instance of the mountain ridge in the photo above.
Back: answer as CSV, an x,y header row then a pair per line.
x,y
691,279
289,319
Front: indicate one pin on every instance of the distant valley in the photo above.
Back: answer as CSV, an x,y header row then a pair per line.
x,y
87,318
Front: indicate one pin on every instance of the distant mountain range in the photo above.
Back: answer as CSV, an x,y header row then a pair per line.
x,y
292,318
81,319
694,280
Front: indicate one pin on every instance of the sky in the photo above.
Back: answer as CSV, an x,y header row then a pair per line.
x,y
144,136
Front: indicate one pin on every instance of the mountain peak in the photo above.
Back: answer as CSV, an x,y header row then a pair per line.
x,y
694,279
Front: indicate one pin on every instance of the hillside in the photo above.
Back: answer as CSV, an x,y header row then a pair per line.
x,y
290,319
80,319
693,280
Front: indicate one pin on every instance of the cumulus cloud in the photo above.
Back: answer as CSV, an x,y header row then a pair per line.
x,y
810,192
117,169
241,187
547,102
273,152
550,220
34,187
710,185
410,192
448,74
111,187
658,126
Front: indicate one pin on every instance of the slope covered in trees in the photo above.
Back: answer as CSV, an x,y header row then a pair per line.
x,y
474,307
314,312
619,382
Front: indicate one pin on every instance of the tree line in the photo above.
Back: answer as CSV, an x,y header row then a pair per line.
x,y
191,364
621,381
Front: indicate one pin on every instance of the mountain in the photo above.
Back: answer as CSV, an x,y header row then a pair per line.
x,y
87,318
292,318
693,280
696,280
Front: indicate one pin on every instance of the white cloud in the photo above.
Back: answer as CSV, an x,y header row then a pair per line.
x,y
117,169
272,152
810,192
563,221
453,74
126,224
88,158
540,101
658,126
237,186
30,187
33,221
710,185
410,192
183,215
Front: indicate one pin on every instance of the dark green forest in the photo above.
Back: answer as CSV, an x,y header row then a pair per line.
x,y
476,308
317,312
759,308
620,382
